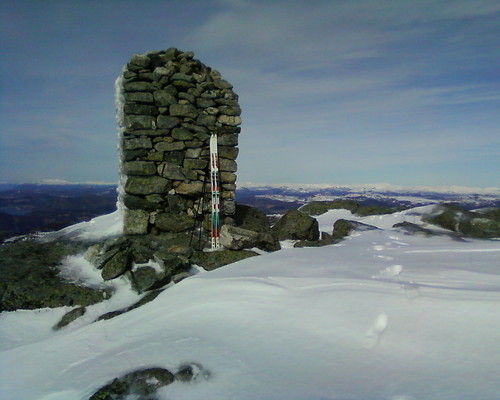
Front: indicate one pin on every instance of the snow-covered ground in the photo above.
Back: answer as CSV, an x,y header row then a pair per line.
x,y
382,315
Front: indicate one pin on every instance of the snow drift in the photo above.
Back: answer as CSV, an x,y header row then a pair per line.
x,y
382,315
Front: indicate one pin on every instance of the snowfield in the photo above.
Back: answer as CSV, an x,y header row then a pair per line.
x,y
380,316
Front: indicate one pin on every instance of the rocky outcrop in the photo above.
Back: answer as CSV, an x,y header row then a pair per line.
x,y
344,227
69,317
235,238
482,225
140,383
143,383
31,278
149,261
296,225
169,105
216,259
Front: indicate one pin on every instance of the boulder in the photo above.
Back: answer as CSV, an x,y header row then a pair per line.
x,y
216,259
136,221
250,218
236,238
325,240
174,222
116,266
344,227
31,279
69,317
484,224
147,185
414,229
148,278
140,383
296,225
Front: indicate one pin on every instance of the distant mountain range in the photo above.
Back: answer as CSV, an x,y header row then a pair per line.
x,y
52,205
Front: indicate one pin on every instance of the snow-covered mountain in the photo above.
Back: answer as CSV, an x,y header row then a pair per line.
x,y
383,194
382,315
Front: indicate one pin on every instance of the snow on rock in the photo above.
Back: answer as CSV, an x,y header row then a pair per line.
x,y
97,228
382,315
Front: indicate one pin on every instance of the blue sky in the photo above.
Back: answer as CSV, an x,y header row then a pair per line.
x,y
351,91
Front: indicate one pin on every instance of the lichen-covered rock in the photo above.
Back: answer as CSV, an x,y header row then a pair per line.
x,y
173,222
467,223
69,317
344,227
236,238
144,382
116,265
136,221
296,225
250,218
217,259
31,278
148,278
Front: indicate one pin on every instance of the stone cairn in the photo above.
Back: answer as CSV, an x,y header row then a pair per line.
x,y
168,105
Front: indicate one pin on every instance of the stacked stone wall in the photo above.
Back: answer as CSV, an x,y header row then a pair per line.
x,y
169,104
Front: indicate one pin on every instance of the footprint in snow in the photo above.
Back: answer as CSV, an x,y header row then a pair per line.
x,y
375,331
393,270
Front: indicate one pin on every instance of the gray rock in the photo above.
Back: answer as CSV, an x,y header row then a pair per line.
x,y
172,264
227,177
183,110
466,223
228,140
206,120
69,317
182,134
296,225
195,163
116,266
137,143
250,218
147,185
344,227
170,146
167,122
235,238
190,188
133,202
175,172
228,152
229,120
136,222
173,222
141,383
191,373
227,165
217,259
139,97
147,278
222,84
414,229
163,98
139,168
174,157
140,109
182,77
140,60
139,121
204,103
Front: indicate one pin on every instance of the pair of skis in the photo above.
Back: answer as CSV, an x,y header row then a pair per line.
x,y
215,190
